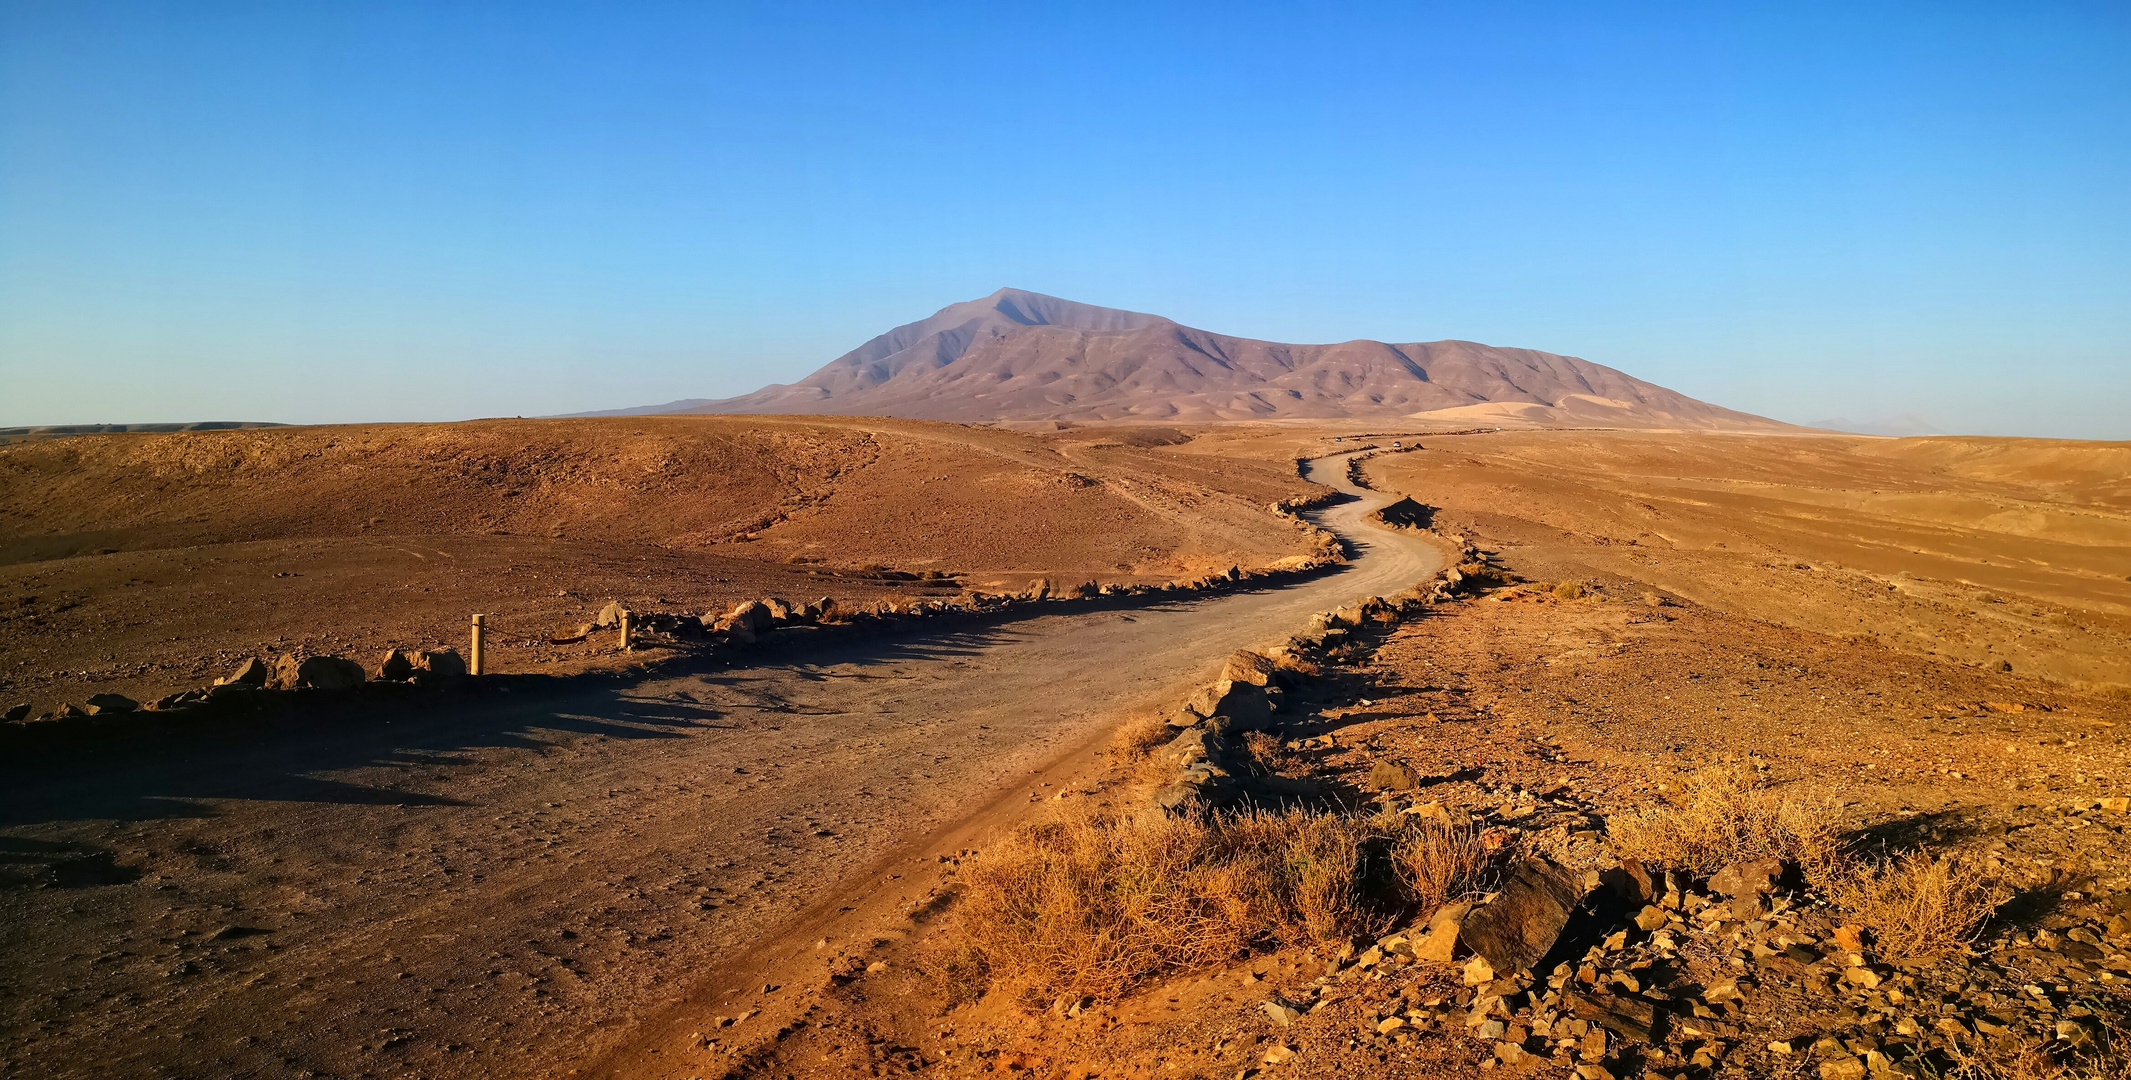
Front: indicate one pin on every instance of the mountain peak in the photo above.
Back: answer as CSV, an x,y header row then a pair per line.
x,y
1022,355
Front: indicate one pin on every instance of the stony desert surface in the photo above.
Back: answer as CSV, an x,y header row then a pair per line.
x,y
145,564
702,860
2013,552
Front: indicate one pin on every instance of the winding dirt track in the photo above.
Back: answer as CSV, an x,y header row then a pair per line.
x,y
528,888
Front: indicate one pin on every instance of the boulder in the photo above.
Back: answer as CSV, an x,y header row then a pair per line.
x,y
746,622
1629,883
779,610
1392,776
317,673
1525,918
1241,702
438,666
1194,744
397,666
16,714
252,672
1040,589
1244,666
106,704
610,617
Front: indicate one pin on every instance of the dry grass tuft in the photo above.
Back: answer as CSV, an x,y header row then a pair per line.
x,y
1919,906
1088,906
1268,755
1436,861
1140,736
1725,815
1569,590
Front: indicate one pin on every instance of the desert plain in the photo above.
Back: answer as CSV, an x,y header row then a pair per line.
x,y
891,828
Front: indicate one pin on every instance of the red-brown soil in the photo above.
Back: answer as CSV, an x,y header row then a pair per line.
x,y
1979,551
1541,717
574,878
143,564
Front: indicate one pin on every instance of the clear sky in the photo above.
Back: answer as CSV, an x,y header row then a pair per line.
x,y
355,211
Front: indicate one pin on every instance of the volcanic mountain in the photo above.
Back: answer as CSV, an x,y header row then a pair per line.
x,y
1017,355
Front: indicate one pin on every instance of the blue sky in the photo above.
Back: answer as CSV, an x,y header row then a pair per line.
x,y
329,212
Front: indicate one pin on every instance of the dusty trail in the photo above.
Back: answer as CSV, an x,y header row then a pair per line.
x,y
510,888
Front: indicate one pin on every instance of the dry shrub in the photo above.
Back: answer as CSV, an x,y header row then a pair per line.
x,y
1268,755
1724,815
2001,1061
1569,590
1139,736
1088,906
1919,906
1437,861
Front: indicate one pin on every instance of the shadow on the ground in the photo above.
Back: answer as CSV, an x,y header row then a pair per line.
x,y
177,765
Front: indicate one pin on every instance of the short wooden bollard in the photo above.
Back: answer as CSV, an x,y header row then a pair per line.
x,y
480,636
625,631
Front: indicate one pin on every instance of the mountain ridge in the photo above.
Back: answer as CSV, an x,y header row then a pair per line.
x,y
1017,355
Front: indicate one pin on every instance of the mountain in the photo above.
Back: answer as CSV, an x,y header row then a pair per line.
x,y
1017,355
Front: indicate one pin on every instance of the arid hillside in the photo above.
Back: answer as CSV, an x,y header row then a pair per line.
x,y
1981,551
1018,355
140,563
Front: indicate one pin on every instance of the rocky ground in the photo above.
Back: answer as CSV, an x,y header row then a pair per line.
x,y
1947,676
143,564
1539,718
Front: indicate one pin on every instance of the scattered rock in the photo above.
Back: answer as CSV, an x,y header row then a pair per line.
x,y
1629,882
1525,918
317,672
1843,1068
252,672
747,621
1241,702
1245,666
106,704
397,666
1392,776
1478,971
1626,1016
1281,1011
1745,884
438,665
1438,943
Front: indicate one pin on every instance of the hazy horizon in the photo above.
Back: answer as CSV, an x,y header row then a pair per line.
x,y
1911,217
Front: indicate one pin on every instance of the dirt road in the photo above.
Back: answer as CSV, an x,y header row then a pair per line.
x,y
508,888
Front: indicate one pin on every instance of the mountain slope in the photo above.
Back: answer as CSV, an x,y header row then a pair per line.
x,y
1017,355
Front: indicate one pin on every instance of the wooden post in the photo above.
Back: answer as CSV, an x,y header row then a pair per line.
x,y
480,634
625,630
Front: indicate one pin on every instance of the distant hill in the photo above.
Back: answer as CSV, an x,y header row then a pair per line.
x,y
1017,355
61,431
